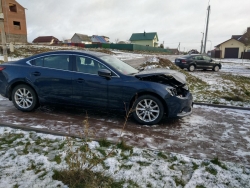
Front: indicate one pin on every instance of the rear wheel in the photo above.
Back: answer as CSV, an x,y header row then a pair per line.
x,y
191,68
24,98
216,68
148,110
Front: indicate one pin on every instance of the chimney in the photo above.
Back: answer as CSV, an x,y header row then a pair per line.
x,y
144,33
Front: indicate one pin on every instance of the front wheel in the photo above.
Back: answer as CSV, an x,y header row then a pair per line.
x,y
216,68
24,98
148,110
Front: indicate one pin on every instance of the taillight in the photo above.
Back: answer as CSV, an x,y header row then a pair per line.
x,y
183,61
1,68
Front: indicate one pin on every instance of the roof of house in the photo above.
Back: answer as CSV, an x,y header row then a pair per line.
x,y
239,38
228,40
44,39
143,36
96,38
236,37
83,37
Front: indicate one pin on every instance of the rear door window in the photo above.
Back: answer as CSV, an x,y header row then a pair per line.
x,y
206,58
55,61
37,62
198,57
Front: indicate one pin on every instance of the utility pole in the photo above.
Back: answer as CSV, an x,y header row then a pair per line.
x,y
202,42
5,55
205,42
179,47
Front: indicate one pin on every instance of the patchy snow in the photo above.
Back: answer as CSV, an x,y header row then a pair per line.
x,y
27,159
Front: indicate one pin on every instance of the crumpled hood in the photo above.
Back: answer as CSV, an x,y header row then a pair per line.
x,y
178,76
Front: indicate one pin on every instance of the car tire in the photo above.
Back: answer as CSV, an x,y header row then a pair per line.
x,y
148,110
216,68
191,68
24,98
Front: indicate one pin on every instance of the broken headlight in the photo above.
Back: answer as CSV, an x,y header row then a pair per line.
x,y
185,87
171,91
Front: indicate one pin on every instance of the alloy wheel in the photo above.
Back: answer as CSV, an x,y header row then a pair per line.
x,y
147,110
23,98
216,68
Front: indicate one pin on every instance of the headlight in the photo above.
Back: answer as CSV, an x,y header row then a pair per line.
x,y
171,91
185,87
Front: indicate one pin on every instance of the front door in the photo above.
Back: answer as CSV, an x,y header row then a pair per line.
x,y
89,89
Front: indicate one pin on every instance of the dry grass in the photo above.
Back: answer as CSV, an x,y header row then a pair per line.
x,y
81,160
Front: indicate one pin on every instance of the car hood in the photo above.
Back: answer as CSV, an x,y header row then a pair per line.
x,y
172,74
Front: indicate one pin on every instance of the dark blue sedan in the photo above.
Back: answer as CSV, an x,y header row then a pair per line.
x,y
92,79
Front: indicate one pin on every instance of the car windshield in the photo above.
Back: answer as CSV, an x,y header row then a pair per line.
x,y
119,65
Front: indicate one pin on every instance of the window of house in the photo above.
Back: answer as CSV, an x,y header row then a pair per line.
x,y
17,25
12,7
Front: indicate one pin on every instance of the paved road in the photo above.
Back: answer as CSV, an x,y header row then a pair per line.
x,y
207,133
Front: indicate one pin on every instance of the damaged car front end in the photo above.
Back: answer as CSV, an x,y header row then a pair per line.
x,y
177,98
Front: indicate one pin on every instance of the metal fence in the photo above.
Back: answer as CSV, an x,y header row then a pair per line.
x,y
129,47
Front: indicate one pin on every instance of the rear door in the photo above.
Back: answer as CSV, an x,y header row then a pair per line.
x,y
199,61
52,78
208,63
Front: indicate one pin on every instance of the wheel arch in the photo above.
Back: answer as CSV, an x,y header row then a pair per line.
x,y
137,95
194,64
20,83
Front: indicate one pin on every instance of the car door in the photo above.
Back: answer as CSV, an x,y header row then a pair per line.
x,y
52,78
199,61
89,89
208,63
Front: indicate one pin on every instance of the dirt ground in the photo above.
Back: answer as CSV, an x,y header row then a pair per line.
x,y
209,132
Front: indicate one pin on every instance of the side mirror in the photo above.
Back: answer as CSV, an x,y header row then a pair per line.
x,y
104,73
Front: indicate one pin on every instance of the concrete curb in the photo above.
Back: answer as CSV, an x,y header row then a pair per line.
x,y
221,106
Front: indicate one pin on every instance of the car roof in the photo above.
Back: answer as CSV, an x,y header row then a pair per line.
x,y
73,52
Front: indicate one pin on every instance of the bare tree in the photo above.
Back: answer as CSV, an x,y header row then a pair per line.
x,y
246,40
116,41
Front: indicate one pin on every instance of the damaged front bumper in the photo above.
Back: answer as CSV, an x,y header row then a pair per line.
x,y
179,106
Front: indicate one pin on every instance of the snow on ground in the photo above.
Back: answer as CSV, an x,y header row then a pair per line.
x,y
31,156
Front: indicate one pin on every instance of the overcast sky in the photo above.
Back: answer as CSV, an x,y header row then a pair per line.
x,y
174,20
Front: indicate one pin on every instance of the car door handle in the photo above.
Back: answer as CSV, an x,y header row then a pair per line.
x,y
36,73
80,80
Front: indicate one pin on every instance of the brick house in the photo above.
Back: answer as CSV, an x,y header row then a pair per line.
x,y
14,21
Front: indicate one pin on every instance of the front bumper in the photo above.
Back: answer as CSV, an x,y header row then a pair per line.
x,y
179,107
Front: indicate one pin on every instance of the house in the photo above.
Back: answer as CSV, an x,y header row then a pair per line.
x,y
81,38
45,40
14,21
106,38
145,39
98,39
174,51
235,46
